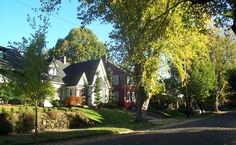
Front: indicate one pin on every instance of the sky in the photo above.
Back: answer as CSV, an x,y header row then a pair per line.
x,y
14,25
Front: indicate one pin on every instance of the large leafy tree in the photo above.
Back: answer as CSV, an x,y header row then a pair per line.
x,y
79,45
223,11
202,81
143,30
223,57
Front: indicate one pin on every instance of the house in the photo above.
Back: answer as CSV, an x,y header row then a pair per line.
x,y
123,91
70,80
10,59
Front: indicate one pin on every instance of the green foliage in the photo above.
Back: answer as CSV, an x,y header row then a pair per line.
x,y
79,119
45,109
97,91
78,46
25,123
202,80
140,41
7,91
57,103
13,110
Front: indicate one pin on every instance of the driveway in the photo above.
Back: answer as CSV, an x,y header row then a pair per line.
x,y
215,130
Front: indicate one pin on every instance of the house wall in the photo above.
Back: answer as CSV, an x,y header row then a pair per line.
x,y
57,96
118,82
125,94
105,88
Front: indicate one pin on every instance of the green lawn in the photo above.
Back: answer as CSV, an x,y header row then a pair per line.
x,y
109,121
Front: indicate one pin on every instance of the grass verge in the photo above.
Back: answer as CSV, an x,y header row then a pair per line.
x,y
68,134
109,121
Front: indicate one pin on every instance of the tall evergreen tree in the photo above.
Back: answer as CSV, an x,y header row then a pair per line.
x,y
97,91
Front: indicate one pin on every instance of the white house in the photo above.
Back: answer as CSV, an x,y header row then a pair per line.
x,y
71,79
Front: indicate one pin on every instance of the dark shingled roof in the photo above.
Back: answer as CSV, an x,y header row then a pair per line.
x,y
11,58
60,71
73,79
74,72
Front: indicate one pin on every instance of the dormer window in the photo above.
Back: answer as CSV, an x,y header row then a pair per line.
x,y
53,71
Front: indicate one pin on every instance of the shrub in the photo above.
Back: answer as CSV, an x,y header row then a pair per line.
x,y
74,101
53,114
26,122
13,110
111,104
21,109
4,110
56,103
13,118
5,125
27,108
78,120
45,110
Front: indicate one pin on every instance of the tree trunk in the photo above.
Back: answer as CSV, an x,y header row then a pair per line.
x,y
142,101
36,117
142,104
216,103
141,111
201,108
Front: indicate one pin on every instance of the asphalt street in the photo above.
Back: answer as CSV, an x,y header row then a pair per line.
x,y
215,130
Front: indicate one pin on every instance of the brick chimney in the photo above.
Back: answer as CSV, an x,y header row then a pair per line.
x,y
64,60
104,58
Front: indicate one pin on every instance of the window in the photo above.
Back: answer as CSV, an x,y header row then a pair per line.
x,y
133,97
116,95
70,92
81,92
1,54
115,80
128,96
53,71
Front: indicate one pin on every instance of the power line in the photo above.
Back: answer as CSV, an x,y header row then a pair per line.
x,y
57,17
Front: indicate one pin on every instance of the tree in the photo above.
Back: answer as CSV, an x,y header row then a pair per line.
x,y
34,70
223,56
79,45
143,30
232,83
31,79
97,91
202,81
223,11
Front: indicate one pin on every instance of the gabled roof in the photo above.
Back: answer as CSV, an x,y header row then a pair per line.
x,y
74,72
73,79
60,71
11,58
